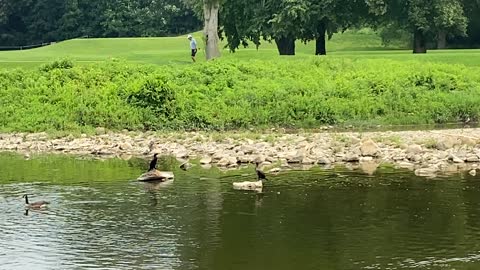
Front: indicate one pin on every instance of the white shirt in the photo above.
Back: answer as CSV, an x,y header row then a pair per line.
x,y
193,44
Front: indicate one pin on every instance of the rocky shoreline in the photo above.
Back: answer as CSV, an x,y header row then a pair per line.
x,y
427,153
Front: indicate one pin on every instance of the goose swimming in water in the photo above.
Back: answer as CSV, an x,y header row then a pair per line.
x,y
34,205
153,163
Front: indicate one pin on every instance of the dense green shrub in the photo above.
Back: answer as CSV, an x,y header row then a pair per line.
x,y
227,95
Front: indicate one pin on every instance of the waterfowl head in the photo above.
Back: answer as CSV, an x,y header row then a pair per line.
x,y
26,198
155,155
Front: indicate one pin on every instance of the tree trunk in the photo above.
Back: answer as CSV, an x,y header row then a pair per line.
x,y
320,42
442,39
285,45
419,42
210,32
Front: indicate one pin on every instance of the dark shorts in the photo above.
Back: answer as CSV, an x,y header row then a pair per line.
x,y
194,52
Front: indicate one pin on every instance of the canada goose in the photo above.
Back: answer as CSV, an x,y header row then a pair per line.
x,y
153,163
34,205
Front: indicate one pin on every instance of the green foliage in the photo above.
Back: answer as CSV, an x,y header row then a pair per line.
x,y
157,98
59,64
229,95
426,18
287,20
393,34
25,22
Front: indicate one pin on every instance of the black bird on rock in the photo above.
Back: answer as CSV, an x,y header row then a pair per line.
x,y
153,163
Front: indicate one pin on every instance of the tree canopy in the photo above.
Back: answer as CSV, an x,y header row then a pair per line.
x,y
34,21
431,23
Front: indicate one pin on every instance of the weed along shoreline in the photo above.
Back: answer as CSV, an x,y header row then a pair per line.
x,y
427,153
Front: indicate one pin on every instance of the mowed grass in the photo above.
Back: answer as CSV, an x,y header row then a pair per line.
x,y
362,44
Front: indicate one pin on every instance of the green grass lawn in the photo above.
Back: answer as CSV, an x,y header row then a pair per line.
x,y
175,50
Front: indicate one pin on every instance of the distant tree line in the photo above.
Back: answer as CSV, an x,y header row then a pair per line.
x,y
429,23
24,22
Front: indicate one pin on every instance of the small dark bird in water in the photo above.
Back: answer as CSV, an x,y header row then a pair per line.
x,y
34,205
260,174
153,163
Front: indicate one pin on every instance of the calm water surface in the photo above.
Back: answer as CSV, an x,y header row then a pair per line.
x,y
100,218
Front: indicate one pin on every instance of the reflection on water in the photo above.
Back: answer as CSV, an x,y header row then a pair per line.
x,y
100,218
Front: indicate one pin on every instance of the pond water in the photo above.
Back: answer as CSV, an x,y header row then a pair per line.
x,y
101,218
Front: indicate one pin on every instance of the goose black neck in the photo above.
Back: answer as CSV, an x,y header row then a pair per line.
x,y
26,199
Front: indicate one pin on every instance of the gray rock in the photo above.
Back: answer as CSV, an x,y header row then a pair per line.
x,y
125,146
186,165
259,159
206,160
467,141
275,170
414,158
472,158
307,161
100,131
414,149
369,167
233,165
369,148
473,172
219,155
296,157
354,140
246,159
455,159
447,142
42,136
181,154
206,166
224,162
324,161
426,172
406,165
351,157
271,159
366,159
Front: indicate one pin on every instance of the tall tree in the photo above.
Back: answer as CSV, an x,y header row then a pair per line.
x,y
210,32
449,20
327,17
285,21
280,21
425,19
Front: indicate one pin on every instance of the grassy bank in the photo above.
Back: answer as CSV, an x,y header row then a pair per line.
x,y
352,45
172,50
229,94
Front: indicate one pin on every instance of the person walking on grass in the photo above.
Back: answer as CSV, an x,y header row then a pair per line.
x,y
193,46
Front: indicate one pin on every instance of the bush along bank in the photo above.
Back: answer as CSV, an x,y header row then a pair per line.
x,y
226,94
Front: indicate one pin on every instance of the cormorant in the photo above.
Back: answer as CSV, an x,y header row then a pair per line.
x,y
153,163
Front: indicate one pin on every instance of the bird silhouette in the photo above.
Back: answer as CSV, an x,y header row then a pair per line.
x,y
153,163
